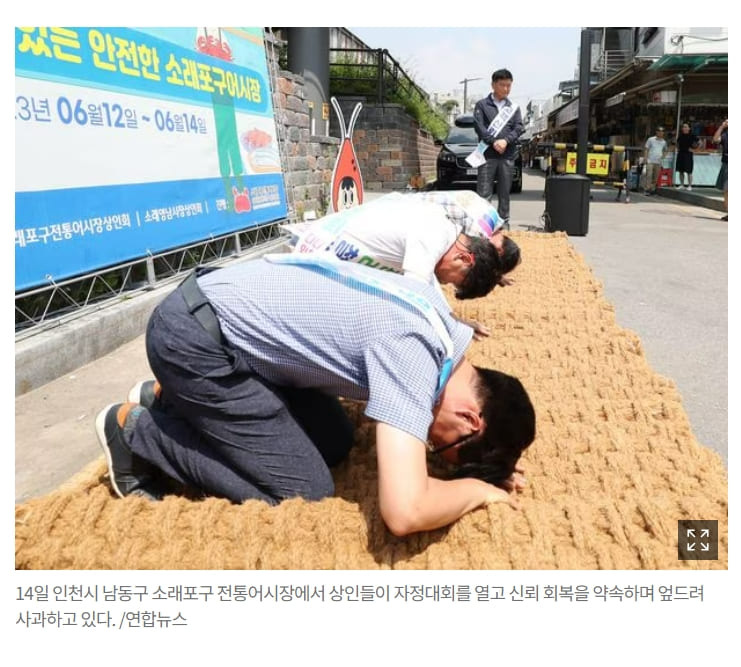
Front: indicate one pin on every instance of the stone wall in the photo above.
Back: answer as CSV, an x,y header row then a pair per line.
x,y
393,152
309,160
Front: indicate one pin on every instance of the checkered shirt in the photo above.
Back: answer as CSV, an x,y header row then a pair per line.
x,y
300,328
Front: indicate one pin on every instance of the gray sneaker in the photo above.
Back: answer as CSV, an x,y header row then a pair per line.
x,y
129,473
146,393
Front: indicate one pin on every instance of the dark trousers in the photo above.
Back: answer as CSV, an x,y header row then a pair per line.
x,y
226,431
499,169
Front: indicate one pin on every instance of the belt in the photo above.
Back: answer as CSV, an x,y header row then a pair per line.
x,y
200,307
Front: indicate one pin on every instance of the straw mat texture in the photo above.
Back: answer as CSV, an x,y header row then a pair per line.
x,y
613,467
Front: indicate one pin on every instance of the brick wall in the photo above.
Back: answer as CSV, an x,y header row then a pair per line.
x,y
393,152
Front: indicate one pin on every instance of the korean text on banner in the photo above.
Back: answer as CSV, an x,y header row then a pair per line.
x,y
133,142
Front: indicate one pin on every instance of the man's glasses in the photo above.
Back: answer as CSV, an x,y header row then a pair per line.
x,y
463,246
460,441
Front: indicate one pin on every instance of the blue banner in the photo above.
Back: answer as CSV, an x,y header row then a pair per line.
x,y
132,142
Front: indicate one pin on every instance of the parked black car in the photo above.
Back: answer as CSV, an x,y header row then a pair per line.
x,y
452,168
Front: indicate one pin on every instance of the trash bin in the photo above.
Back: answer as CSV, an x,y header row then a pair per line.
x,y
567,204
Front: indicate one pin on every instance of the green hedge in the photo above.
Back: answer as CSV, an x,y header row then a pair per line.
x,y
349,79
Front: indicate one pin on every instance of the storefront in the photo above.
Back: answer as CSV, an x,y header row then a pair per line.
x,y
627,109
700,99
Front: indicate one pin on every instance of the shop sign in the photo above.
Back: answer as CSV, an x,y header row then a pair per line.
x,y
568,113
615,100
597,164
664,97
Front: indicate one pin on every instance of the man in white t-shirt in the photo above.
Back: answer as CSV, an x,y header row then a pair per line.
x,y
408,236
404,236
654,153
475,216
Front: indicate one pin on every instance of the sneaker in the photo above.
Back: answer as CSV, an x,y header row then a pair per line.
x,y
146,393
725,217
129,473
680,187
689,188
505,225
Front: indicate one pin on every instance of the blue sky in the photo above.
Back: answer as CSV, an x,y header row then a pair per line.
x,y
438,58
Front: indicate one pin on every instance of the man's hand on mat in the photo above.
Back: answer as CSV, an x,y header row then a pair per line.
x,y
516,481
504,282
497,495
479,330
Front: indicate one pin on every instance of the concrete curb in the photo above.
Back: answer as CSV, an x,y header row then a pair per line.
x,y
705,197
51,354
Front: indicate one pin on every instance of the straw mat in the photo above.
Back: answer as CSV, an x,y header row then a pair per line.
x,y
613,468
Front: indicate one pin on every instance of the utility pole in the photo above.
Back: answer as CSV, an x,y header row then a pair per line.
x,y
582,124
465,89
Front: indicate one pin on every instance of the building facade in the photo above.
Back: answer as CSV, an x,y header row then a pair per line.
x,y
642,78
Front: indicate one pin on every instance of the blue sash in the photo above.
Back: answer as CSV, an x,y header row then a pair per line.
x,y
332,269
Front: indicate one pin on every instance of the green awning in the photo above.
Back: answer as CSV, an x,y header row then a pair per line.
x,y
691,62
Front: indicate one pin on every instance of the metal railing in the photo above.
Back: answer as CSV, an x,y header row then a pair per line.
x,y
51,305
56,303
373,73
611,62
377,76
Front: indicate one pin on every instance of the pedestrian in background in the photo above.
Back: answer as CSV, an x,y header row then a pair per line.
x,y
653,153
498,123
686,142
721,137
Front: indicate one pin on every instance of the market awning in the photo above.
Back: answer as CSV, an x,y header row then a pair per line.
x,y
691,62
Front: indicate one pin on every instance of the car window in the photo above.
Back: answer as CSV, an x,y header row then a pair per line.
x,y
462,135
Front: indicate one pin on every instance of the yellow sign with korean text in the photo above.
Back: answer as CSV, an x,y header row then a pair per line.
x,y
598,164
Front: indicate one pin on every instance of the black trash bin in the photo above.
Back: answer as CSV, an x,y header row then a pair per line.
x,y
567,204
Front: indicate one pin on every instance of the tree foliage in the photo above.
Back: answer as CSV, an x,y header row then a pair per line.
x,y
390,84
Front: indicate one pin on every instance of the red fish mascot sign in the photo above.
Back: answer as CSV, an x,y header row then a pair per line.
x,y
347,183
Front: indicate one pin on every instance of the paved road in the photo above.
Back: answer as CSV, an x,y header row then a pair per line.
x,y
663,264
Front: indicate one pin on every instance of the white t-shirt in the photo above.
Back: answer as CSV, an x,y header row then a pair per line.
x,y
655,148
390,233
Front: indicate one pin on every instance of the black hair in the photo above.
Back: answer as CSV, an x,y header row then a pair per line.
x,y
510,428
486,271
501,74
510,256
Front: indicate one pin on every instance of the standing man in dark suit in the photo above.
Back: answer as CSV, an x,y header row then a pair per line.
x,y
498,123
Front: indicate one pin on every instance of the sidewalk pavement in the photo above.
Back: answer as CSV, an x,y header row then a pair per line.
x,y
699,196
667,283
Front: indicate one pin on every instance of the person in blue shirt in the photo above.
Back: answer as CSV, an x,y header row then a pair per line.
x,y
250,361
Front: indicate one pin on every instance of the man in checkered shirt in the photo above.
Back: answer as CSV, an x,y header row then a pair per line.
x,y
250,409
